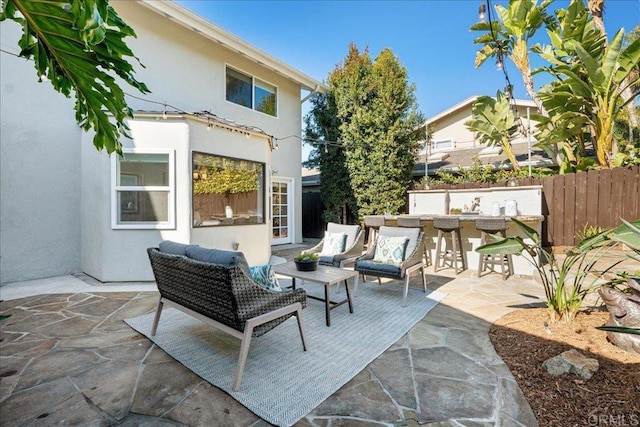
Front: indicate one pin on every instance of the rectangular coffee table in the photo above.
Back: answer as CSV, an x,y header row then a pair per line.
x,y
326,276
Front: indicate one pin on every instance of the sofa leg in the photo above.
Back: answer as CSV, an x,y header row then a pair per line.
x,y
242,359
156,320
424,280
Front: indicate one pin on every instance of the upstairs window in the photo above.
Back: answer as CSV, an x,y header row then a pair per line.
x,y
442,144
251,92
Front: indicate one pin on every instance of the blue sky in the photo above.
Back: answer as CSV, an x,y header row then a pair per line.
x,y
431,38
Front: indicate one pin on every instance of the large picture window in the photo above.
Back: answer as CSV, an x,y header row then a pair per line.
x,y
143,189
227,191
251,92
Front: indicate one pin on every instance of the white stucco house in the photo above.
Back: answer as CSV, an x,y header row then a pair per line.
x,y
218,110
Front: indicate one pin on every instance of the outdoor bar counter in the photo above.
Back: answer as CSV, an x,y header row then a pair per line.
x,y
424,205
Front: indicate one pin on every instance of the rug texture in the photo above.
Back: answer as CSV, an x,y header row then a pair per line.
x,y
281,382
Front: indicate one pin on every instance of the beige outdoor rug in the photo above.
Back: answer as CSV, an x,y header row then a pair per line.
x,y
281,382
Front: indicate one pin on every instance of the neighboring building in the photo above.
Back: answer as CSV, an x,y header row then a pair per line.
x,y
453,145
66,208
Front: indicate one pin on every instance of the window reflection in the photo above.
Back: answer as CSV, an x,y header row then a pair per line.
x,y
227,191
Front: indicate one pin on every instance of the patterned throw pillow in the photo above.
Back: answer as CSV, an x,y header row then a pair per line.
x,y
333,244
390,250
264,276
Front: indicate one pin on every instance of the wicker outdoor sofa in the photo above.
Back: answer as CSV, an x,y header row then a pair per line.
x,y
215,286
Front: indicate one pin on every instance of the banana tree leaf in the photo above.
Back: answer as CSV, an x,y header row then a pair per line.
x,y
530,232
621,329
77,45
628,233
508,246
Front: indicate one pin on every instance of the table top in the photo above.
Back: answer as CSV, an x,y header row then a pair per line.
x,y
324,274
463,217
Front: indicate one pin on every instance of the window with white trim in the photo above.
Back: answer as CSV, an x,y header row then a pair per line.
x,y
143,189
441,144
251,92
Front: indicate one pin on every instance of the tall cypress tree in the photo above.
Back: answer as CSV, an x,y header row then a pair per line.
x,y
372,109
322,130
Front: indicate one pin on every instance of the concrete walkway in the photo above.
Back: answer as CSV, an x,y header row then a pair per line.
x,y
68,358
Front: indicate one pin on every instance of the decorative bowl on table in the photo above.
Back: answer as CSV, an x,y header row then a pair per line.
x,y
306,262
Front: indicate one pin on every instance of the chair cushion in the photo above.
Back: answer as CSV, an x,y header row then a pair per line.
x,y
390,250
218,256
264,276
350,230
376,268
325,260
411,233
333,244
175,248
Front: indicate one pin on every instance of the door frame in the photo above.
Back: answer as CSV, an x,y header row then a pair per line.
x,y
290,204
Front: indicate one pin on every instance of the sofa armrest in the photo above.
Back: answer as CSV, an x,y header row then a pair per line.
x,y
253,300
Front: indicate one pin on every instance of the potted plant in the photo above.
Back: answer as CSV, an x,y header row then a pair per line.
x,y
306,262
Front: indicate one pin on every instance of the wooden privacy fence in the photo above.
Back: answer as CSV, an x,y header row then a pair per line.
x,y
569,202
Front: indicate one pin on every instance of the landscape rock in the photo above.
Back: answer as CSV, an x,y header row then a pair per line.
x,y
571,362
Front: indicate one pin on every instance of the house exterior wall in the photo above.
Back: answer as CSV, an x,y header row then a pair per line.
x,y
39,172
452,127
178,52
62,225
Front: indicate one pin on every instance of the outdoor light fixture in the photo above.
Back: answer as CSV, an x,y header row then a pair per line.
x,y
482,12
508,89
499,63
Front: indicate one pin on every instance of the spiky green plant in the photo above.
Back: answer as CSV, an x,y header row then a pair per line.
x,y
566,283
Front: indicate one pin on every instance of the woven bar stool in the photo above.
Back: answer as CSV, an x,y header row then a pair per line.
x,y
454,255
493,226
413,222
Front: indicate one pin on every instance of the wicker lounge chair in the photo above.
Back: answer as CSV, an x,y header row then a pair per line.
x,y
223,295
412,261
353,247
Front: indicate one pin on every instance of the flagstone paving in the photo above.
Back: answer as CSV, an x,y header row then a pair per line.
x,y
69,359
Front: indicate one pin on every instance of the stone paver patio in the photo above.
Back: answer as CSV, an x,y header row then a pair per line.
x,y
69,359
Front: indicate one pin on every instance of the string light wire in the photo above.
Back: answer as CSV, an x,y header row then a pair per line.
x,y
503,67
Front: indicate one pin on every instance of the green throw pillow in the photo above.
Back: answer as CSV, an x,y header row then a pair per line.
x,y
264,276
390,250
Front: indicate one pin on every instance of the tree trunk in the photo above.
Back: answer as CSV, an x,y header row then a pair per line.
x,y
520,57
596,8
506,146
631,109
